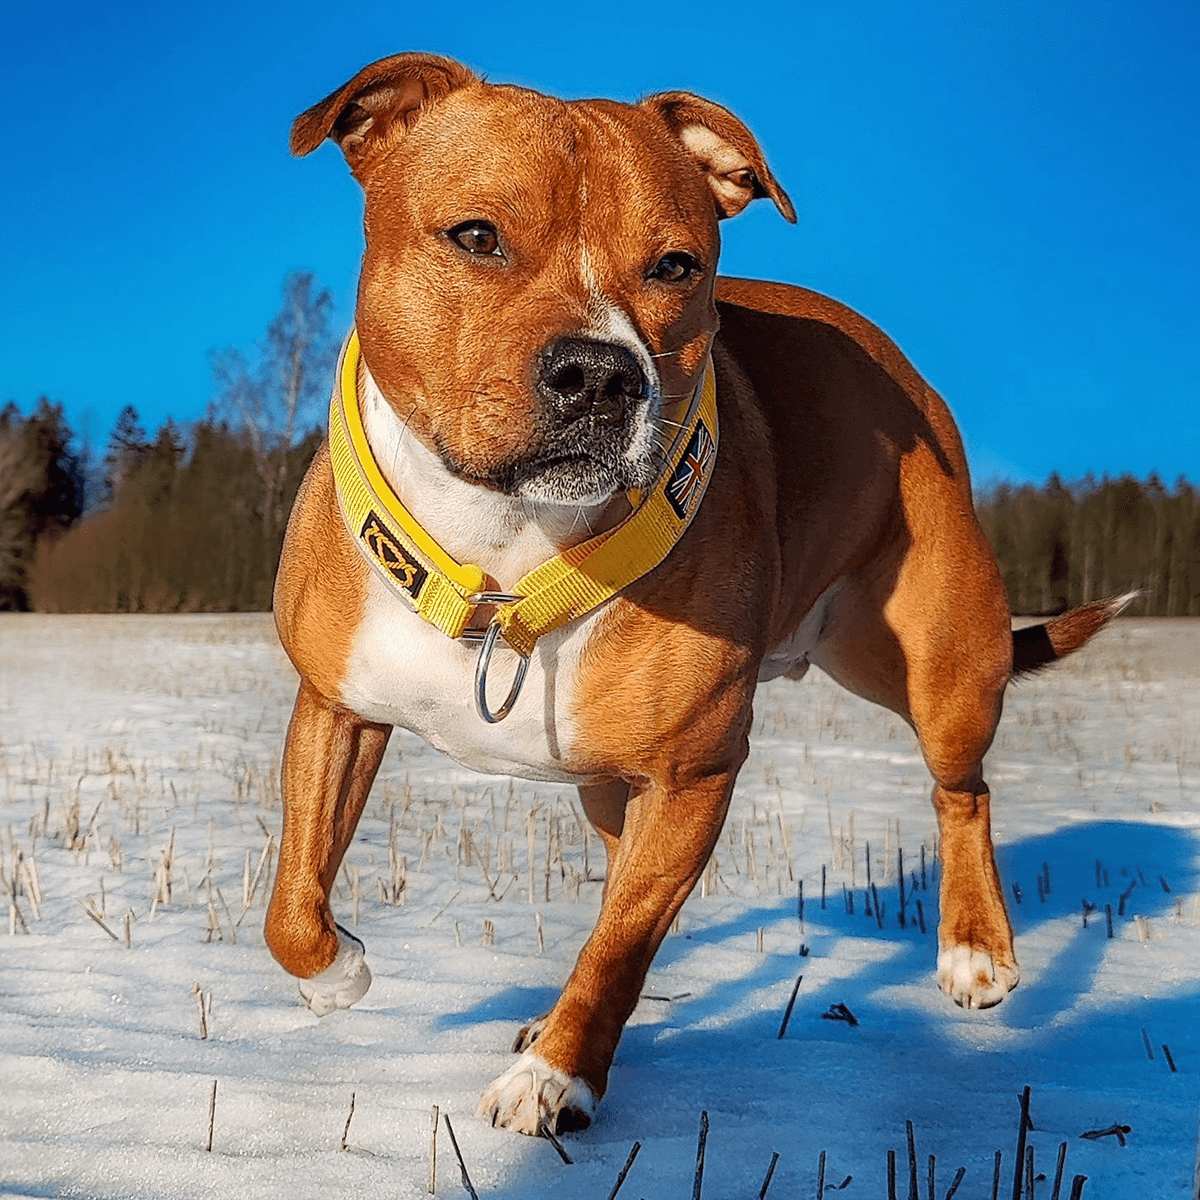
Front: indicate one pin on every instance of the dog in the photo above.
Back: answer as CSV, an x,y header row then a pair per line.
x,y
580,495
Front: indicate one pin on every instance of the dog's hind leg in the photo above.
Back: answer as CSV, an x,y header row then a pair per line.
x,y
938,651
656,856
329,763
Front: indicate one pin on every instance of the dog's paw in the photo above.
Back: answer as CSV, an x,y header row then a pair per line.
x,y
344,981
528,1034
532,1092
973,979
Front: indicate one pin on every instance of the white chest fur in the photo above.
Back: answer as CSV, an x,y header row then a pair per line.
x,y
403,671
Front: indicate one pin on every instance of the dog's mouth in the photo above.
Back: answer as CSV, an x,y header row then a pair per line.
x,y
582,477
578,467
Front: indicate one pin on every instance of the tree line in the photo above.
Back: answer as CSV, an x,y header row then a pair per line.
x,y
193,520
1063,544
189,520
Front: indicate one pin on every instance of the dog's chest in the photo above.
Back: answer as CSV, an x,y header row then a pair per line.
x,y
403,671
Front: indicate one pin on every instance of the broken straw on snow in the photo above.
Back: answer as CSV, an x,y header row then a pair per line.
x,y
787,1013
1117,1131
545,1131
349,1118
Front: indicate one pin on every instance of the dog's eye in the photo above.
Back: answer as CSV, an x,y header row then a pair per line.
x,y
476,237
677,267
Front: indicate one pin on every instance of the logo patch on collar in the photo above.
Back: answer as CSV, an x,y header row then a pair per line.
x,y
391,557
687,480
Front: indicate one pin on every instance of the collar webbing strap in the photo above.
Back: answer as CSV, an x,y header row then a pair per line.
x,y
570,584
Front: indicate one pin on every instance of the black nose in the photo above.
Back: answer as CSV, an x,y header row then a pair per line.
x,y
579,377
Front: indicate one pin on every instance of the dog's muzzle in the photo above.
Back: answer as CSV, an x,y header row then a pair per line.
x,y
593,399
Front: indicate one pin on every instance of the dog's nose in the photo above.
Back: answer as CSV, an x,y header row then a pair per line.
x,y
580,377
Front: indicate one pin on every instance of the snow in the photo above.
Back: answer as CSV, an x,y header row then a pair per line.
x,y
122,737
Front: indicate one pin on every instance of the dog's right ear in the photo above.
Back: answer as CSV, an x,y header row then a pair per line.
x,y
381,102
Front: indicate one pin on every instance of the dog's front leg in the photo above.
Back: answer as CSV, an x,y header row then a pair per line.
x,y
329,763
667,836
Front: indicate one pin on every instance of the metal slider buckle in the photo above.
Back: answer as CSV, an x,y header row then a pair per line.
x,y
485,658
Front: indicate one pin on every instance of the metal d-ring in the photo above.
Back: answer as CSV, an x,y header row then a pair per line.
x,y
481,672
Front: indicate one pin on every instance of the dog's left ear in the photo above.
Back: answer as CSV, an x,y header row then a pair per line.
x,y
366,114
726,150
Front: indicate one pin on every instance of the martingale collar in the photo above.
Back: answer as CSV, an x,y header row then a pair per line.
x,y
448,593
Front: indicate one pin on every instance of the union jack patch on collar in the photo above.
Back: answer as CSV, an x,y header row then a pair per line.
x,y
687,480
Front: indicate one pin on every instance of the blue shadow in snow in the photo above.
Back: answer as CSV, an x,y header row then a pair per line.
x,y
1137,857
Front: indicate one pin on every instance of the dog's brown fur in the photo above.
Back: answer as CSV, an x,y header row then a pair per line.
x,y
839,515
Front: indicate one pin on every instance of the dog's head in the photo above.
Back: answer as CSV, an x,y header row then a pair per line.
x,y
538,279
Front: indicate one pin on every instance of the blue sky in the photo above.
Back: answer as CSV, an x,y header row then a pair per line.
x,y
1012,191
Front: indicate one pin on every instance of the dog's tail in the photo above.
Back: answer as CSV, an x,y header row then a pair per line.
x,y
1037,646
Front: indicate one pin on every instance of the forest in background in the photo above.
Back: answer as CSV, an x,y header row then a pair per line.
x,y
193,520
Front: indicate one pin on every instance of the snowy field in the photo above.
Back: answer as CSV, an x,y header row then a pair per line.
x,y
138,781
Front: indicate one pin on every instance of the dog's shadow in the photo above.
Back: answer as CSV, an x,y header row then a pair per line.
x,y
1136,870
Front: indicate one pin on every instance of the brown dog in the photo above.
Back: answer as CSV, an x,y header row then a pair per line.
x,y
537,309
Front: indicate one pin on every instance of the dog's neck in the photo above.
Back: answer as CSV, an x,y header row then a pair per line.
x,y
506,535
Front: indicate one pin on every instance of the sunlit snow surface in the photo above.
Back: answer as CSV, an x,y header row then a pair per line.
x,y
118,733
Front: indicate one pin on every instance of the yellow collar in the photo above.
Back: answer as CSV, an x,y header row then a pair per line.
x,y
448,593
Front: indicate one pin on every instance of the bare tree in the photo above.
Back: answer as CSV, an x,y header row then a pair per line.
x,y
276,399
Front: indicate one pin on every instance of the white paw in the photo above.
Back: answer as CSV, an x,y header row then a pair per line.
x,y
344,981
531,1092
972,978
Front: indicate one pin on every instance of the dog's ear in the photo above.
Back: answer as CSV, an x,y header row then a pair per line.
x,y
726,150
387,96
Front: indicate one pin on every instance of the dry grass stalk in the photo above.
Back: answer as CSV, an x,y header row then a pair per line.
x,y
698,1180
462,1166
199,994
212,1115
349,1118
1019,1162
625,1171
229,918
912,1161
433,1128
766,1183
1058,1171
